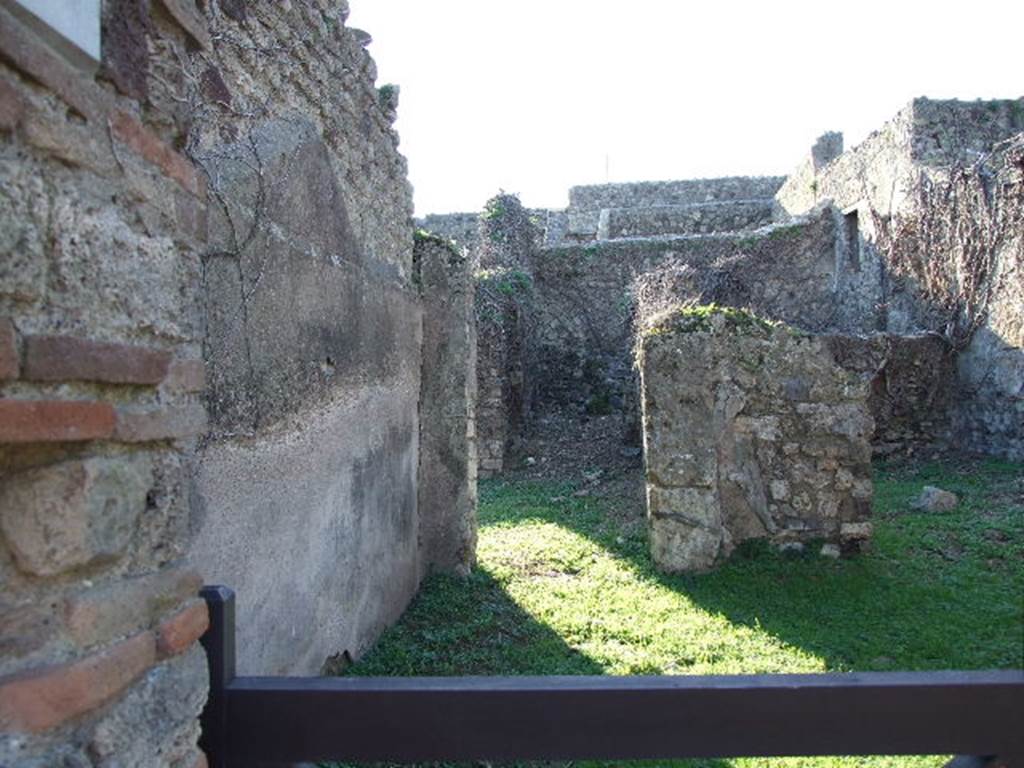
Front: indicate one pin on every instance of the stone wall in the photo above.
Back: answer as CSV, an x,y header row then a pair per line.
x,y
586,296
448,458
215,365
586,203
100,367
751,431
931,215
306,490
503,301
911,386
463,229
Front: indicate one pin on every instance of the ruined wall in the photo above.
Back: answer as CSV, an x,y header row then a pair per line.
x,y
305,495
911,386
448,457
211,350
931,214
750,431
586,299
587,203
103,223
461,228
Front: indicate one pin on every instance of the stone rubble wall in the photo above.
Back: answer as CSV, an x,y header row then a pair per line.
x,y
693,219
751,431
911,383
586,203
586,305
448,394
101,369
463,229
877,184
211,351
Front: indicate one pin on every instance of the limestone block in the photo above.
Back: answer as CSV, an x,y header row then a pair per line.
x,y
678,547
75,513
934,499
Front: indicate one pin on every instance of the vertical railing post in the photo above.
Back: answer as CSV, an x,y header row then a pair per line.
x,y
219,643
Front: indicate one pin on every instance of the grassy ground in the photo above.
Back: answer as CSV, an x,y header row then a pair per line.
x,y
565,586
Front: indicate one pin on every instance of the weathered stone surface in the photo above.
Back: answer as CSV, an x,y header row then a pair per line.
x,y
10,364
76,513
750,431
447,471
934,499
155,723
168,422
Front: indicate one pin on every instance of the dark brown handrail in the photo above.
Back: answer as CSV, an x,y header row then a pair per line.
x,y
285,719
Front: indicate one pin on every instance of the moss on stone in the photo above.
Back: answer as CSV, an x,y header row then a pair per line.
x,y
698,319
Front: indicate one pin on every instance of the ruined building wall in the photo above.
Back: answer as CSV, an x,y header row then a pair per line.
x,y
750,431
586,302
100,363
211,369
305,496
448,396
937,161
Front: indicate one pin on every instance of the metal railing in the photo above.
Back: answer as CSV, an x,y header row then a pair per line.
x,y
267,720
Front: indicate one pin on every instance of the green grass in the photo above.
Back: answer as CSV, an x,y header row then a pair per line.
x,y
565,586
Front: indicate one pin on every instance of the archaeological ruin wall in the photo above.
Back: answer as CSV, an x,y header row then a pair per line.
x,y
931,209
219,363
101,366
305,494
833,248
751,431
448,406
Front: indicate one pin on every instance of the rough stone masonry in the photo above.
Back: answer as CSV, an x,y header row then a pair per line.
x,y
214,356
751,431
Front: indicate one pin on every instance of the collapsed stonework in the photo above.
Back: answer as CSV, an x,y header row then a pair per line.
x,y
751,430
221,360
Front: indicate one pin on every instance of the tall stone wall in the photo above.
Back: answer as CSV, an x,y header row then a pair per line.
x,y
306,490
212,369
448,446
588,204
751,431
103,227
931,214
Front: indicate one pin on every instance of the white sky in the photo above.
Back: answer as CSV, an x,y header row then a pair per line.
x,y
532,96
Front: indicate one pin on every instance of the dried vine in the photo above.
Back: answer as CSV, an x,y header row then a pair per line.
x,y
947,246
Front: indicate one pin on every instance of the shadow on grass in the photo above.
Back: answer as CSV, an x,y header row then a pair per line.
x,y
938,591
472,627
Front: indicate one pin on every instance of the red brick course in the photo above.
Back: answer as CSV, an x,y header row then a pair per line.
x,y
66,358
9,365
177,634
45,698
147,144
42,421
96,615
